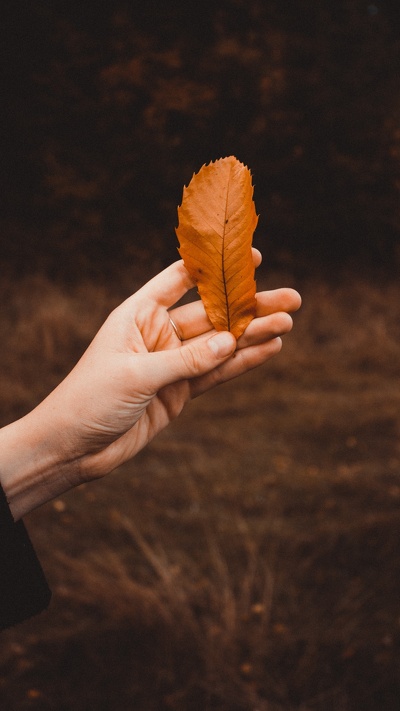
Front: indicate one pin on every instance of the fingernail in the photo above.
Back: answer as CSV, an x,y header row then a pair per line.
x,y
222,344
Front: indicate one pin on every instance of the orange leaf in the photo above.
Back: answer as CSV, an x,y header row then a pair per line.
x,y
217,220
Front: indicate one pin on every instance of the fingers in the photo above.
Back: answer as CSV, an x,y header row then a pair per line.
x,y
167,287
242,361
170,285
260,342
264,329
191,319
191,360
269,302
209,360
257,257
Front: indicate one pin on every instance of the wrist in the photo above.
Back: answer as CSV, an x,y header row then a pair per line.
x,y
33,469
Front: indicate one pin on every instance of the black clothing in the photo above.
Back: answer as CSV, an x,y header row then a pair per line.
x,y
24,591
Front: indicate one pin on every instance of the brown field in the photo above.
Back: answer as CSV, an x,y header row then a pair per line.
x,y
249,558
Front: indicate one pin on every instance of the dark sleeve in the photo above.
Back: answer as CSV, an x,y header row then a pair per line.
x,y
24,591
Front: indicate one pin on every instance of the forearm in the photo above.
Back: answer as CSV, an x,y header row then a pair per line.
x,y
33,466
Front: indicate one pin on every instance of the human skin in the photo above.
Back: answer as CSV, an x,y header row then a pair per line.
x,y
134,378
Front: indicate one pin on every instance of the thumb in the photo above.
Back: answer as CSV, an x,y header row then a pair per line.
x,y
190,360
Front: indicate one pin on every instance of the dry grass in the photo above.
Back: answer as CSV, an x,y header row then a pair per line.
x,y
248,559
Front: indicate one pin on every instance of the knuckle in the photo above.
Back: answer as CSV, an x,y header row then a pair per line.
x,y
190,359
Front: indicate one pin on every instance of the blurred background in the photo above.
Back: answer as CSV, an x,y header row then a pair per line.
x,y
248,558
110,107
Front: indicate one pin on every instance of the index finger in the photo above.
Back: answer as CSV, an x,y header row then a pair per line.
x,y
167,287
170,285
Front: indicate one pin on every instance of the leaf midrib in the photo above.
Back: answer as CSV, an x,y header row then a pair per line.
x,y
228,315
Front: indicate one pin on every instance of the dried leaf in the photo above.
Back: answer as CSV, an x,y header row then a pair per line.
x,y
217,220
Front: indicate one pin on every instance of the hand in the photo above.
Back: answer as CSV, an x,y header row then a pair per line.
x,y
137,375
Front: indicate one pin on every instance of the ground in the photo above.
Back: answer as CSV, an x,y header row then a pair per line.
x,y
249,557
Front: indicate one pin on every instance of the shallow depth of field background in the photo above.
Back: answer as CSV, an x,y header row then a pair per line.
x,y
249,557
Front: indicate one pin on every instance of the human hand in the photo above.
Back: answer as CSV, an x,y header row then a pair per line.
x,y
137,375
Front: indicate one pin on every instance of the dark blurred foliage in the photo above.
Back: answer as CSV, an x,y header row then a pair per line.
x,y
109,107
